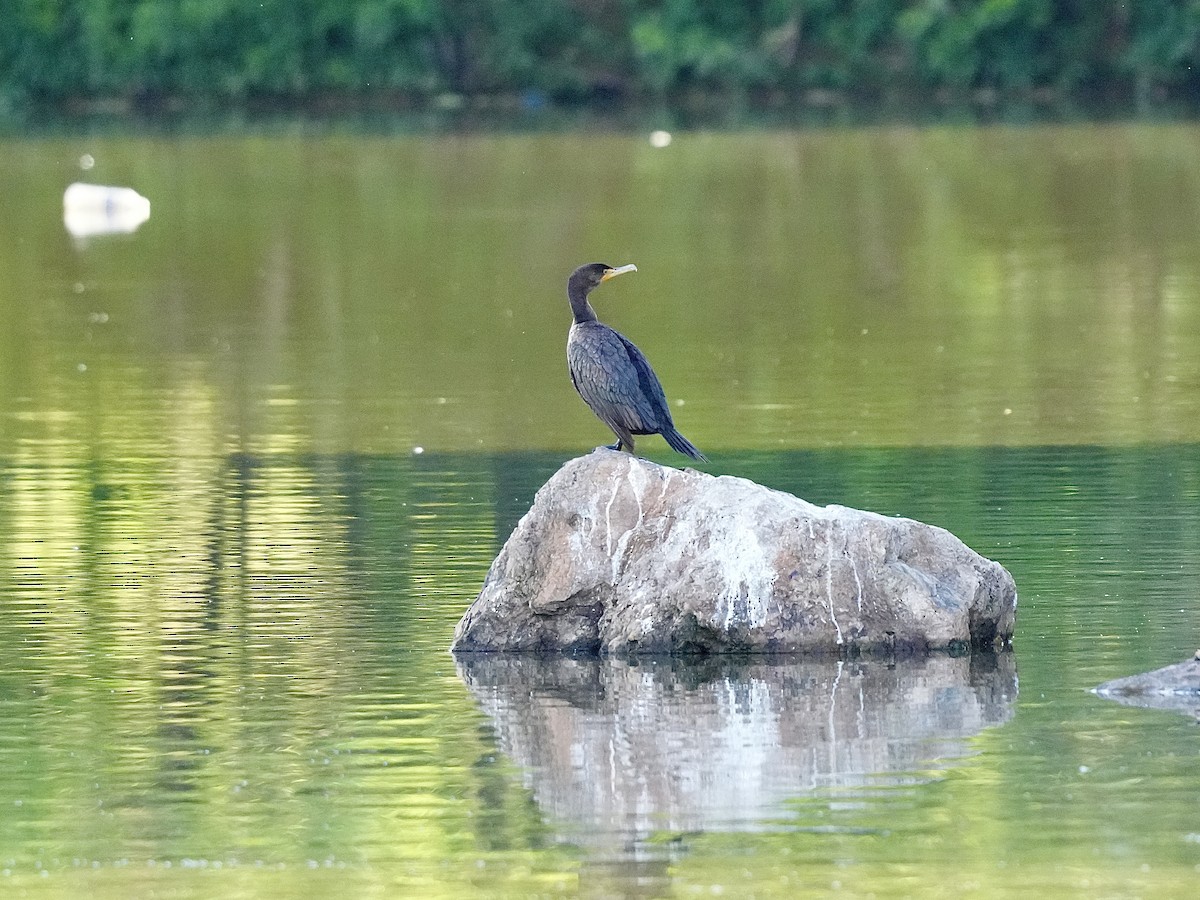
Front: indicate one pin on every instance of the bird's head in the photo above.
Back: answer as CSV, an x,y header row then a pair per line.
x,y
585,278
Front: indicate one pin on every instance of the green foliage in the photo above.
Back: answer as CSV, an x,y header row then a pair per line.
x,y
1007,44
54,50
1164,43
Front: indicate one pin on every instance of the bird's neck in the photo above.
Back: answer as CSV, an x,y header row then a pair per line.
x,y
580,307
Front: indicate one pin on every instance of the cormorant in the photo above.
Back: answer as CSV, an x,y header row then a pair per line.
x,y
611,374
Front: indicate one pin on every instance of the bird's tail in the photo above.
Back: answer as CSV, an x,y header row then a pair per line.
x,y
680,444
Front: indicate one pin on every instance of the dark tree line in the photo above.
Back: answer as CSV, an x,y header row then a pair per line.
x,y
52,51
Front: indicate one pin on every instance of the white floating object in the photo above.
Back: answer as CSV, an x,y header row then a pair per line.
x,y
94,209
660,139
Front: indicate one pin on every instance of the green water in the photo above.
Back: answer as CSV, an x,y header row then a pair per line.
x,y
256,457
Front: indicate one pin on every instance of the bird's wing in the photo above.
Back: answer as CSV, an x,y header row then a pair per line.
x,y
615,380
655,399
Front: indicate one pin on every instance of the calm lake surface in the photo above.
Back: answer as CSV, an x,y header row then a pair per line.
x,y
256,457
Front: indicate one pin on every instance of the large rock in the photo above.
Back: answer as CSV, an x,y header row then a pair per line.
x,y
620,555
1175,687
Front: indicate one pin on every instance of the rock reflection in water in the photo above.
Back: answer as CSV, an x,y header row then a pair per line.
x,y
616,750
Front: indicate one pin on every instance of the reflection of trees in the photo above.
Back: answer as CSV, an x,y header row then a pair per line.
x,y
298,281
897,279
203,652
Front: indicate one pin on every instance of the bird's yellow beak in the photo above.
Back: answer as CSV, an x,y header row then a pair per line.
x,y
619,270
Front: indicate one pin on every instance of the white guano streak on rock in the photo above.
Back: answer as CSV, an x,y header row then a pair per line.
x,y
635,477
853,567
829,588
745,565
608,520
637,481
666,482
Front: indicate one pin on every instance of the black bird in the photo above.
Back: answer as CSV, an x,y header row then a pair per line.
x,y
611,374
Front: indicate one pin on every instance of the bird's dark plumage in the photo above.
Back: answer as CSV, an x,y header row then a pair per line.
x,y
612,376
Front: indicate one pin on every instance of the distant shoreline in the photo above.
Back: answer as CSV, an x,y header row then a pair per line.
x,y
531,110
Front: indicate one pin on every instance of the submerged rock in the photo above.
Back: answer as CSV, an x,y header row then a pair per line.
x,y
1175,687
620,555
